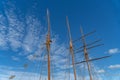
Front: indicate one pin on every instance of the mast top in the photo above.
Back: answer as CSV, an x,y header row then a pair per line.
x,y
48,20
68,26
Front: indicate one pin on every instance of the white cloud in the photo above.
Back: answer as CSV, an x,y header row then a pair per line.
x,y
15,58
117,66
19,75
20,34
113,51
101,71
6,72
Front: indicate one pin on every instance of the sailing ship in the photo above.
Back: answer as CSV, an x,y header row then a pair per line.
x,y
82,50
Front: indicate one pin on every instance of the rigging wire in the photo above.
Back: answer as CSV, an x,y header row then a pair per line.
x,y
69,67
52,66
41,68
26,63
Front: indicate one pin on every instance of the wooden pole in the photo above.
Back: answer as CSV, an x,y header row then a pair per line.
x,y
86,54
48,41
71,48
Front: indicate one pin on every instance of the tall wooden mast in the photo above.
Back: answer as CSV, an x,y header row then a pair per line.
x,y
71,48
84,49
48,41
86,53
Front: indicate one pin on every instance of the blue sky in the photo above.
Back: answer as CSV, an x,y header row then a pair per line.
x,y
23,27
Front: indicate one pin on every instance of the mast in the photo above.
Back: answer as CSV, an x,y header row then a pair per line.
x,y
48,41
71,47
84,49
86,53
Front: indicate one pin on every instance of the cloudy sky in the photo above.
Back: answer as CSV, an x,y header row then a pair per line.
x,y
23,29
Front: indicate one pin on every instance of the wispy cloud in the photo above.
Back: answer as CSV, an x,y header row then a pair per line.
x,y
117,66
19,75
20,33
101,71
15,58
113,51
